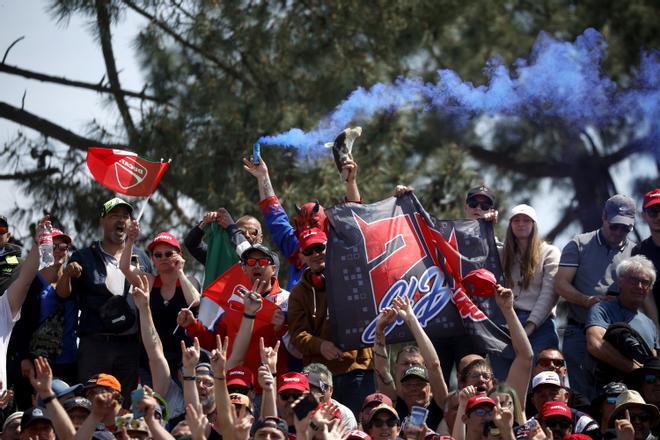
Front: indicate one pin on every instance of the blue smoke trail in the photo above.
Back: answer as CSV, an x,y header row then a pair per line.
x,y
559,80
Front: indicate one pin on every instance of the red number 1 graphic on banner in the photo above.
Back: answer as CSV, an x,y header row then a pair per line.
x,y
405,250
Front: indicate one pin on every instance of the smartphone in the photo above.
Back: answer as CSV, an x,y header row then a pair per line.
x,y
137,395
418,415
256,153
305,406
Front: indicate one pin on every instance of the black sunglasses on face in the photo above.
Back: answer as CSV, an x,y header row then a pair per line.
x,y
652,212
484,206
61,246
316,249
379,423
545,362
289,396
166,254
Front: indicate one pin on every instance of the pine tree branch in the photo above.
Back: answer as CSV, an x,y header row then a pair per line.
x,y
570,215
526,167
198,50
18,175
103,22
13,70
49,129
622,153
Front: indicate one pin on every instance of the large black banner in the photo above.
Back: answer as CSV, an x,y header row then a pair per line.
x,y
393,248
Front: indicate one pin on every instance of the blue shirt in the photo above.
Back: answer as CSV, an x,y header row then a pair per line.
x,y
605,313
49,302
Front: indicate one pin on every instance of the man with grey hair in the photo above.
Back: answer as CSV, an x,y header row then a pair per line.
x,y
320,385
585,277
635,278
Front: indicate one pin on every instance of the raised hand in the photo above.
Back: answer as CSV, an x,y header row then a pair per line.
x,y
265,378
466,393
259,170
133,230
504,297
103,405
349,169
42,381
403,307
141,292
224,218
386,317
253,300
269,355
197,421
401,190
624,428
185,318
219,356
190,355
502,416
210,217
6,396
148,403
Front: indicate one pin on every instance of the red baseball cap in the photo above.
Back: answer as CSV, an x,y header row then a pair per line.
x,y
480,282
357,435
292,381
312,236
241,376
376,398
576,437
554,408
479,399
164,238
58,233
651,198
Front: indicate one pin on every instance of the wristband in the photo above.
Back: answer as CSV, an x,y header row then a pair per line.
x,y
248,316
219,377
189,377
47,400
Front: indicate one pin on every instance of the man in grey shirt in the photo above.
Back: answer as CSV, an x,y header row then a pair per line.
x,y
586,274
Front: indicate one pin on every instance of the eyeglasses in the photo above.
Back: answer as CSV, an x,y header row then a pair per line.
x,y
547,362
262,262
482,374
641,417
637,281
484,206
289,396
480,412
4,230
650,378
652,212
206,383
620,228
316,249
561,423
61,246
379,423
166,254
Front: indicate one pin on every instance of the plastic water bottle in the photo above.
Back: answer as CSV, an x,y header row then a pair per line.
x,y
45,240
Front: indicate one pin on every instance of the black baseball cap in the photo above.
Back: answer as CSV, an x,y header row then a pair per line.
x,y
3,221
482,190
271,422
77,402
112,204
32,415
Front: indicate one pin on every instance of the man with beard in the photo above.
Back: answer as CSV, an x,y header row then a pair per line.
x,y
108,326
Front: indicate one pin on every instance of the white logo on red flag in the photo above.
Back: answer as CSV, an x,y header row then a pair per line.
x,y
129,172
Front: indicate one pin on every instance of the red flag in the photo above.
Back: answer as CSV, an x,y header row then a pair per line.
x,y
225,291
124,171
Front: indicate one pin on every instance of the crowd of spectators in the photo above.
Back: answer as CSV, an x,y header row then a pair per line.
x,y
111,341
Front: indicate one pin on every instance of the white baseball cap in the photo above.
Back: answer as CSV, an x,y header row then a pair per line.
x,y
546,377
524,209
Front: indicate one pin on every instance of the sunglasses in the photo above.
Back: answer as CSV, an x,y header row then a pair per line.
x,y
316,249
289,396
480,412
650,378
620,228
546,363
166,254
4,230
641,417
61,246
484,206
652,212
262,262
562,424
379,423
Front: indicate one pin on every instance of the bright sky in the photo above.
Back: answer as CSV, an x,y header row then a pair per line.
x,y
69,50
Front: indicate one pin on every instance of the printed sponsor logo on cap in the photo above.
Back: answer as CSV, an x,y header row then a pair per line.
x,y
129,172
37,412
237,373
291,379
